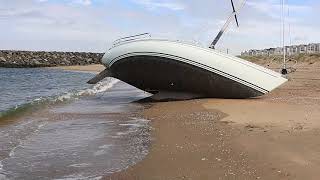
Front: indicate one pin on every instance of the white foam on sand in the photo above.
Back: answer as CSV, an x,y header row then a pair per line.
x,y
82,165
106,146
100,152
139,120
128,124
2,176
79,177
134,124
122,133
103,150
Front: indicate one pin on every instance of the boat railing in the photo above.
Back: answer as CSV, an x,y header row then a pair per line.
x,y
148,36
131,38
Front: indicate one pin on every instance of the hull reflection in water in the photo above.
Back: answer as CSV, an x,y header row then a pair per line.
x,y
88,138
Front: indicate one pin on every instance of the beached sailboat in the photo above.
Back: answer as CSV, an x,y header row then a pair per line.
x,y
172,67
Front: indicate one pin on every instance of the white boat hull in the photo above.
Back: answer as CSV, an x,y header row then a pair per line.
x,y
161,65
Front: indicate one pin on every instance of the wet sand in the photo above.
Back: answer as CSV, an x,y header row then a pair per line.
x,y
272,137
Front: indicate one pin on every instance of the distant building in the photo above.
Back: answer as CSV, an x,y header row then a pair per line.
x,y
313,48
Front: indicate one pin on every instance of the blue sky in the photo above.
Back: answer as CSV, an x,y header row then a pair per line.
x,y
92,25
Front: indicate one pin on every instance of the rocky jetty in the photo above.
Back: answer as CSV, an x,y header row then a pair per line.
x,y
26,59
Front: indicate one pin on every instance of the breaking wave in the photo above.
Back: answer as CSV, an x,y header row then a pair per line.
x,y
41,102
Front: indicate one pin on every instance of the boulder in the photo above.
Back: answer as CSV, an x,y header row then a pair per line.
x,y
89,61
37,62
2,59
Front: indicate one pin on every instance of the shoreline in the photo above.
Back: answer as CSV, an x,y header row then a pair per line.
x,y
95,68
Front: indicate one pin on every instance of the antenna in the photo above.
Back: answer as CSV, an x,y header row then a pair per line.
x,y
226,25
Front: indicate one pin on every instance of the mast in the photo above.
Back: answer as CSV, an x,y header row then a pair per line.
x,y
226,25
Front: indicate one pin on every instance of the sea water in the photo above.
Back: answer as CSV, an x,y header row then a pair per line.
x,y
55,126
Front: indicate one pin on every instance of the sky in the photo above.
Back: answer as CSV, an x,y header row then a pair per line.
x,y
92,25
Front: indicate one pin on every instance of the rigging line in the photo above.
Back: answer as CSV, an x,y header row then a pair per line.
x,y
280,25
289,15
283,35
290,36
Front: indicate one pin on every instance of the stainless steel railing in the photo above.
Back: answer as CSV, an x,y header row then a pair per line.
x,y
148,36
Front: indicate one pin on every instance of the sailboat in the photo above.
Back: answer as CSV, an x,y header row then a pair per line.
x,y
161,66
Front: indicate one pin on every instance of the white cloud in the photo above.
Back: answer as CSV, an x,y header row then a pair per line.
x,y
272,8
83,2
152,4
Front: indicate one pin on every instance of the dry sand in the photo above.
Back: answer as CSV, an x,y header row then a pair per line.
x,y
272,137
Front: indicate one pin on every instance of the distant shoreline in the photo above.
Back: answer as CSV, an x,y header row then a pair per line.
x,y
34,59
93,68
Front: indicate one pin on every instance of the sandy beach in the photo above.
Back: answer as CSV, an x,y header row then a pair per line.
x,y
271,137
89,68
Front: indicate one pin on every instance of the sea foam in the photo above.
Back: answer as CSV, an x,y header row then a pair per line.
x,y
100,87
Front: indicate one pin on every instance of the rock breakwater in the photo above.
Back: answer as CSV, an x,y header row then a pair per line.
x,y
26,59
